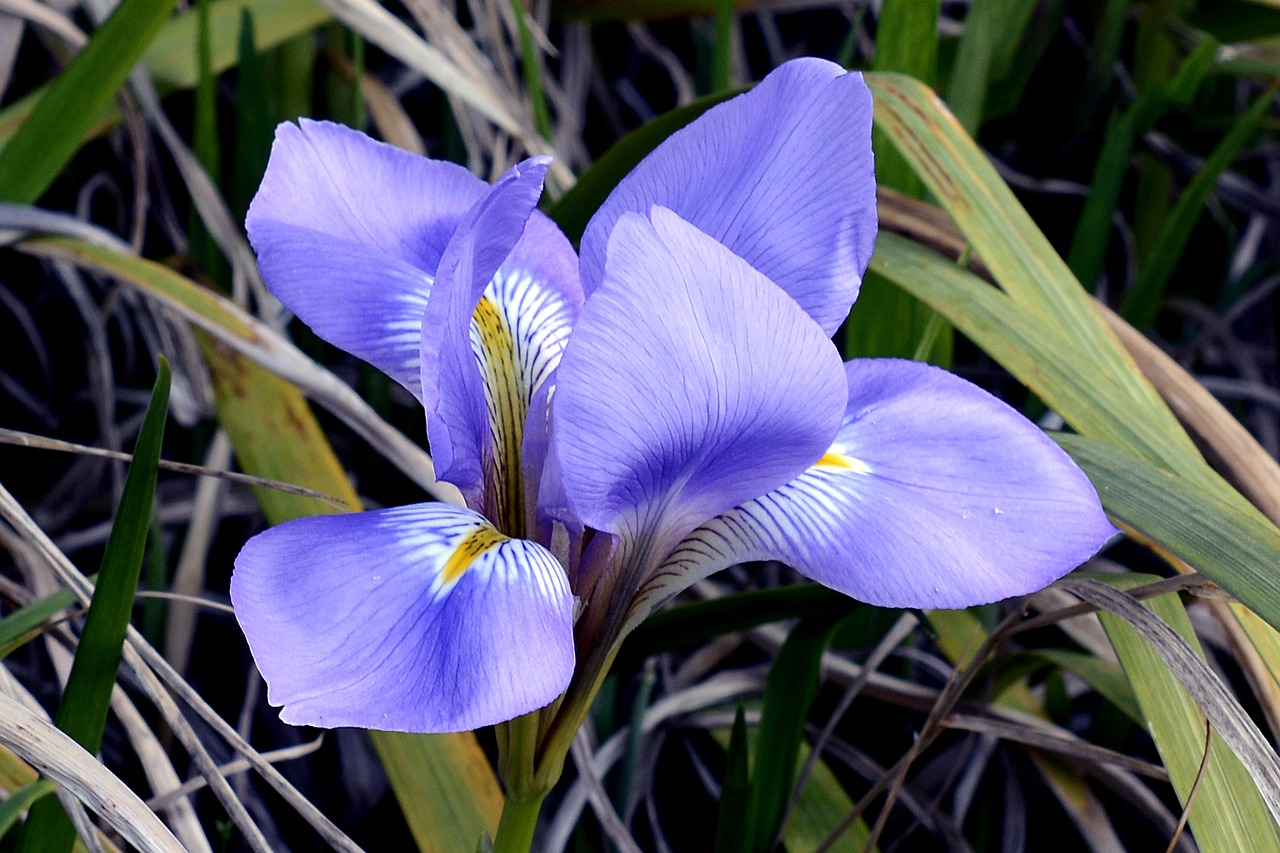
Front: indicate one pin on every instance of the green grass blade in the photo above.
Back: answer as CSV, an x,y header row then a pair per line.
x,y
22,799
1019,256
62,119
688,625
82,714
1228,813
207,148
1230,542
733,817
1143,301
17,626
253,118
887,322
1103,676
532,72
722,48
788,693
992,28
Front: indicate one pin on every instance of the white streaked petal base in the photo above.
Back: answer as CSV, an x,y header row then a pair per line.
x,y
422,618
933,494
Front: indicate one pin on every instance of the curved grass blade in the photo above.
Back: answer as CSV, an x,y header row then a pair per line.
x,y
1227,814
1019,256
21,800
64,761
82,713
1228,541
788,693
733,817
16,628
688,625
68,110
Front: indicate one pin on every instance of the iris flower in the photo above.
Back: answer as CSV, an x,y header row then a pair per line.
x,y
625,421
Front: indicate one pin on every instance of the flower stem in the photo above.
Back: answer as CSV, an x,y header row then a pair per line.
x,y
515,829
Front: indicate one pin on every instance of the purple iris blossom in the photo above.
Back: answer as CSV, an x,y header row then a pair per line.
x,y
624,422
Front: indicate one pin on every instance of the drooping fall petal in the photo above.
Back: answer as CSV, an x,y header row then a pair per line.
x,y
933,494
421,618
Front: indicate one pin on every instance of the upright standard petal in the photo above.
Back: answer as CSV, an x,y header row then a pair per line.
x,y
492,334
782,175
349,232
691,383
421,618
934,494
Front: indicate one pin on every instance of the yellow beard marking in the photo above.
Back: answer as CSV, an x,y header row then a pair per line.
x,y
477,542
837,460
506,411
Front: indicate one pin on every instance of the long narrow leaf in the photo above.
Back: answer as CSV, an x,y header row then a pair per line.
x,y
82,713
788,693
66,113
1229,813
1143,301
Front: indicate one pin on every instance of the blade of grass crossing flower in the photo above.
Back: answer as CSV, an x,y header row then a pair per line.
x,y
1227,812
171,57
1018,255
788,693
733,819
67,111
1038,354
1229,541
1143,301
82,713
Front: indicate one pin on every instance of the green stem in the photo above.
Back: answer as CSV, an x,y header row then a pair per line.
x,y
519,818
